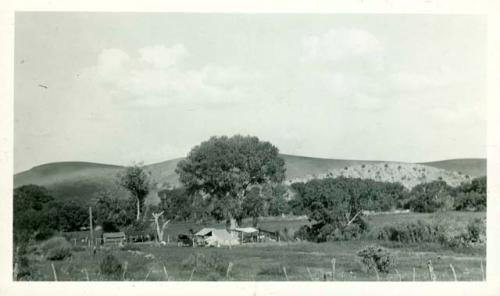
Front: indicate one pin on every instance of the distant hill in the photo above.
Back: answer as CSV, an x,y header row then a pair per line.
x,y
468,166
408,174
81,180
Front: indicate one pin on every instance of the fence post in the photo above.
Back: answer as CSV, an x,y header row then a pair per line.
x,y
228,271
54,271
432,275
333,268
310,275
284,271
453,270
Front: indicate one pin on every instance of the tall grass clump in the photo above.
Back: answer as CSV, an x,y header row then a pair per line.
x,y
110,267
56,248
211,264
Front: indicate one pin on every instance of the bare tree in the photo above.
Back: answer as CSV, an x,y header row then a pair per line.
x,y
160,230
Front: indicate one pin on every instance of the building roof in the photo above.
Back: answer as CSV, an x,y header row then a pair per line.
x,y
113,235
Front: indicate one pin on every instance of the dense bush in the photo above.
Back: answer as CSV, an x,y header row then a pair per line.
x,y
412,232
473,235
111,268
376,257
431,197
59,254
471,196
22,268
37,216
374,195
56,248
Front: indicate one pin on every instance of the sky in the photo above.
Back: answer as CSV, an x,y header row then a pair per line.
x,y
120,88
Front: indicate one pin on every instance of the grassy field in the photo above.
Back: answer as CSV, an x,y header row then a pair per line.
x,y
265,262
294,261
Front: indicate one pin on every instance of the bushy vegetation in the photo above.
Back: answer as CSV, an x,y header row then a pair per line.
x,y
374,195
376,257
471,196
413,232
335,206
111,212
451,236
438,196
431,197
56,248
473,235
37,216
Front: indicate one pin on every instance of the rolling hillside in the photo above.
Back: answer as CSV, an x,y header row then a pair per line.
x,y
81,180
468,166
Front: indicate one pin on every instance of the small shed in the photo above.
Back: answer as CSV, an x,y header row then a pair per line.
x,y
113,237
215,237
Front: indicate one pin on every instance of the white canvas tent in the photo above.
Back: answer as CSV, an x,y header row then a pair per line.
x,y
216,237
246,234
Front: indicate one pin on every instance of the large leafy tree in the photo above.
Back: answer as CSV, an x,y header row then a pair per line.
x,y
224,169
137,181
31,212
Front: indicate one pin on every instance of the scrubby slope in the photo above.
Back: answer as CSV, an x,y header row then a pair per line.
x,y
408,174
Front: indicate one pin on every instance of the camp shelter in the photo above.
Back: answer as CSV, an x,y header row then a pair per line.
x,y
215,237
246,234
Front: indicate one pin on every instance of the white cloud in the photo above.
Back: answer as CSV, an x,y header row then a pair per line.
x,y
111,63
338,44
162,57
440,77
157,76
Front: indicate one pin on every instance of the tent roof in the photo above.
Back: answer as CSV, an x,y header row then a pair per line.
x,y
247,229
222,234
204,231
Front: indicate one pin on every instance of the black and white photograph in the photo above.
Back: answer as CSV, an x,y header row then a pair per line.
x,y
249,147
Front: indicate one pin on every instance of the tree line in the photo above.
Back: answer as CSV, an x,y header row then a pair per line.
x,y
232,178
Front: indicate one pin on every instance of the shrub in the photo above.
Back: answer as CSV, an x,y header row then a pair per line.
x,y
303,233
58,254
376,257
206,263
56,248
476,230
111,267
473,235
470,201
43,233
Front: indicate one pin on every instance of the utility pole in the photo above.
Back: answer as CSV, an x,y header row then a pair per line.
x,y
91,231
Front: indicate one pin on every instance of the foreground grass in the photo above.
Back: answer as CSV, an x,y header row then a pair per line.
x,y
302,261
265,262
